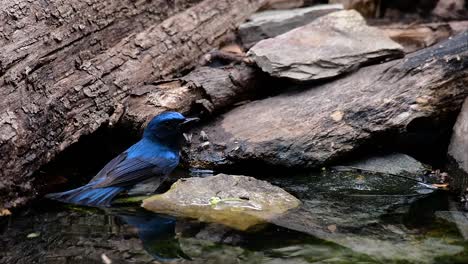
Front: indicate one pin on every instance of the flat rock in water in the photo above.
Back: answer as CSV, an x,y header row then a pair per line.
x,y
268,24
370,214
329,46
239,202
396,164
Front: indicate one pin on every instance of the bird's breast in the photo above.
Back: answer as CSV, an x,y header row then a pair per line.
x,y
149,150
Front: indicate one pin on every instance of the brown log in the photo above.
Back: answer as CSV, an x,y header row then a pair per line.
x,y
318,125
207,89
68,67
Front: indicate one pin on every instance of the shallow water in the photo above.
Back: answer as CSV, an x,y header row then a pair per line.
x,y
344,218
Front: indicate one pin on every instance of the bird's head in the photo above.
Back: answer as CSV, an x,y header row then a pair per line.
x,y
167,126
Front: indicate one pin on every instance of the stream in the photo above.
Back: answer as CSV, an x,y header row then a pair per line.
x,y
344,218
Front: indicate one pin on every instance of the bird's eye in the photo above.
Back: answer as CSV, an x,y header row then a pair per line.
x,y
167,123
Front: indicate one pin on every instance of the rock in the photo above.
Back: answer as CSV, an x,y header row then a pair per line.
x,y
239,202
458,148
369,214
268,24
451,9
456,216
396,164
316,125
329,46
283,4
367,8
418,36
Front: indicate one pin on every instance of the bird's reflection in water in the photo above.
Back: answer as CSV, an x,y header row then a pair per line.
x,y
156,232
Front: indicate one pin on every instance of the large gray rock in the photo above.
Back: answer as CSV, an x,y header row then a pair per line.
x,y
236,201
268,24
329,46
317,125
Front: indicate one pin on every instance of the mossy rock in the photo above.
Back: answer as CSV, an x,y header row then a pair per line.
x,y
239,202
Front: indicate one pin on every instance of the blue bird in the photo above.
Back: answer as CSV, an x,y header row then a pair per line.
x,y
155,155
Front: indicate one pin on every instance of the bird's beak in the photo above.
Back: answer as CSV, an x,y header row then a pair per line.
x,y
189,120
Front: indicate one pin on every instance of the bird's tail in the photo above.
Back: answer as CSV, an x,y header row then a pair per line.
x,y
87,195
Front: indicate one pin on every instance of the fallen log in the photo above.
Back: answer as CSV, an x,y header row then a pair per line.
x,y
314,126
65,73
205,89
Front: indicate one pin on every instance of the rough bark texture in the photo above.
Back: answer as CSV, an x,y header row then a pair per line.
x,y
66,68
205,88
315,126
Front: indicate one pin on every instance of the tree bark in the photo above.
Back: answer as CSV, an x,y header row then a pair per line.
x,y
313,126
205,89
68,67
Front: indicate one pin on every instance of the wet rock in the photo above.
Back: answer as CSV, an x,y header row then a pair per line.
x,y
458,154
459,218
458,148
367,8
314,126
396,164
226,85
268,24
329,46
236,201
370,213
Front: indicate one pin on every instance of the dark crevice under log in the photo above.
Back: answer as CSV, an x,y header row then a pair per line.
x,y
75,72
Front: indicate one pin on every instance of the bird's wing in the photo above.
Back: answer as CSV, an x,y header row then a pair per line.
x,y
109,166
132,170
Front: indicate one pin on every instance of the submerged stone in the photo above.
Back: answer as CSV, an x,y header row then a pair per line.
x,y
379,215
239,202
395,163
329,46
